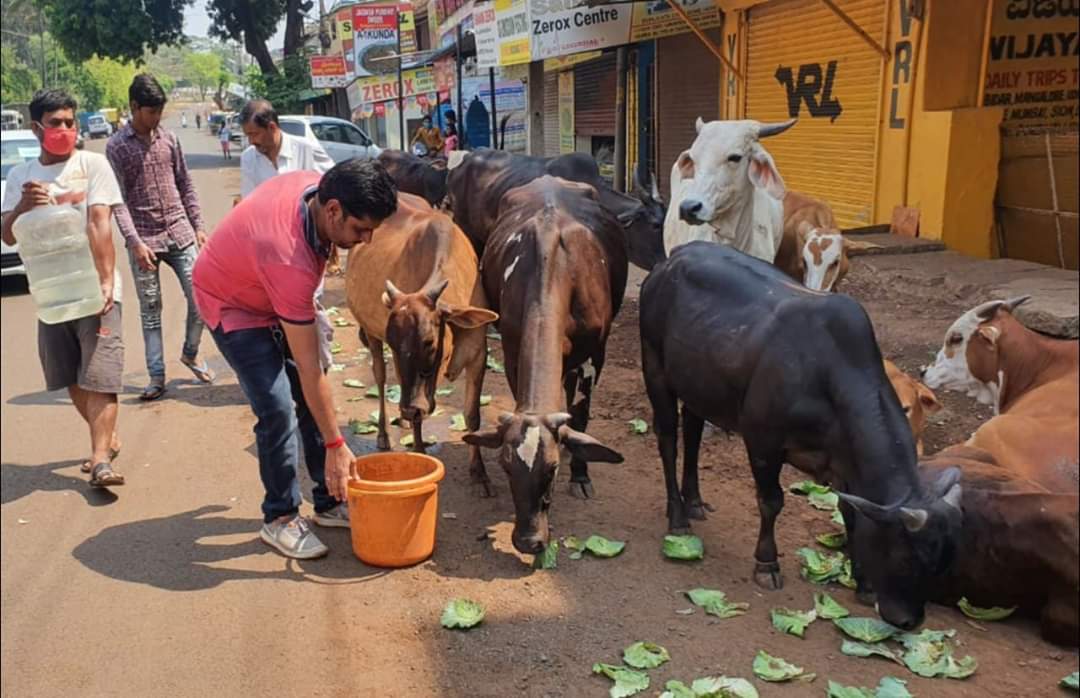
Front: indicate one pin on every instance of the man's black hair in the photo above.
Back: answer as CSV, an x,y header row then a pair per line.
x,y
146,91
363,187
259,112
45,101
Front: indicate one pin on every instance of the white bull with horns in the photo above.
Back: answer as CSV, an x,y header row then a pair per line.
x,y
726,189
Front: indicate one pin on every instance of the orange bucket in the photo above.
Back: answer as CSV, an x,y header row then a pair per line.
x,y
393,508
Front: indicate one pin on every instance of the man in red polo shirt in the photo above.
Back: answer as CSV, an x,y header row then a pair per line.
x,y
254,284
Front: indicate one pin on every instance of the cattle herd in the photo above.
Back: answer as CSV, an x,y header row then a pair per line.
x,y
744,334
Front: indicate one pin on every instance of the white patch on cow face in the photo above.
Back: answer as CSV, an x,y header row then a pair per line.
x,y
721,155
510,269
528,448
950,370
821,254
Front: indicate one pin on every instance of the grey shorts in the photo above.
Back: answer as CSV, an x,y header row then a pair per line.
x,y
88,352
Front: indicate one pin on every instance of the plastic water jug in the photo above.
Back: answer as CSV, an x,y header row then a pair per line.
x,y
63,280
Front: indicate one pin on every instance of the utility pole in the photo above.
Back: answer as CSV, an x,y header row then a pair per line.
x,y
620,119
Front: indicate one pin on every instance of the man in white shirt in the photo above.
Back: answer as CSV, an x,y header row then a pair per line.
x,y
272,151
85,356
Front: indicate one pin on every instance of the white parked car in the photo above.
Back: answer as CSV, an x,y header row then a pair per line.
x,y
98,127
342,139
15,147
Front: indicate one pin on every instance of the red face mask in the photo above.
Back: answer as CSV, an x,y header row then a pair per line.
x,y
59,141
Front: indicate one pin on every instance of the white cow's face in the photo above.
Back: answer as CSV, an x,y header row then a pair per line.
x,y
824,260
723,165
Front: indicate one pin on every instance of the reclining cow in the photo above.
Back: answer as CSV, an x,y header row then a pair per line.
x,y
726,189
1019,544
800,376
1033,383
917,401
478,184
413,282
555,269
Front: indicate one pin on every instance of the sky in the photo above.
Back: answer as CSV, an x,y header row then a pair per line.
x,y
196,22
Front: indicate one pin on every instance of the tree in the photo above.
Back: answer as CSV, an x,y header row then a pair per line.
x,y
203,70
294,26
119,29
285,88
112,79
17,79
252,21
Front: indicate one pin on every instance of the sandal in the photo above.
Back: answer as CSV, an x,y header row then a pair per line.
x,y
201,371
86,467
152,392
104,476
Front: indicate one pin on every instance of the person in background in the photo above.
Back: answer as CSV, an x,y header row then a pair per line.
x,y
224,134
429,136
198,121
450,144
84,356
272,151
183,119
254,282
165,224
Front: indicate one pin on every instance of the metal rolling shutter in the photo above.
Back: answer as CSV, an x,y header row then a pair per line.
x,y
828,156
688,87
594,97
551,113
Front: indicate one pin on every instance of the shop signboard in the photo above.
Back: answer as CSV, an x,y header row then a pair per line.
x,y
562,27
385,87
375,28
656,19
513,27
327,71
486,32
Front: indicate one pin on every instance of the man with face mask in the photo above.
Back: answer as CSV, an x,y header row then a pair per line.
x,y
166,224
254,283
430,137
86,355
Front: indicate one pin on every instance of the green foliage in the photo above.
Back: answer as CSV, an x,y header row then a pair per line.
x,y
120,29
111,80
17,79
285,89
203,70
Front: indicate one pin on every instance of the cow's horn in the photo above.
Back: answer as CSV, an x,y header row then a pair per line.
x,y
655,189
505,418
953,496
767,130
434,290
868,508
913,519
1012,303
392,290
556,419
946,481
988,310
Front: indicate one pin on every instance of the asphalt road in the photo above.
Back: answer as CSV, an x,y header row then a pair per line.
x,y
162,587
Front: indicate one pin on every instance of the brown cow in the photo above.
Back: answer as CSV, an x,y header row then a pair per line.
x,y
917,400
812,250
1032,382
555,268
417,277
1019,544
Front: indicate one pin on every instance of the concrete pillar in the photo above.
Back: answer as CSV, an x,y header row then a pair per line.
x,y
536,108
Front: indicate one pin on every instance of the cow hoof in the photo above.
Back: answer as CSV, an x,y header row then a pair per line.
x,y
767,576
582,490
697,511
679,530
483,490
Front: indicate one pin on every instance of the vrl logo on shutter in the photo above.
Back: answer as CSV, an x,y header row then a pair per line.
x,y
807,87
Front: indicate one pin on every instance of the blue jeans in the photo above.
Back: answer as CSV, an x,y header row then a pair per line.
x,y
148,288
268,376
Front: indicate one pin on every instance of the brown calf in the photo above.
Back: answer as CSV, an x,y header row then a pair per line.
x,y
417,278
812,250
917,400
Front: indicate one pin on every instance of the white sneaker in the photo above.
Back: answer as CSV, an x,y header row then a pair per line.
x,y
338,517
293,538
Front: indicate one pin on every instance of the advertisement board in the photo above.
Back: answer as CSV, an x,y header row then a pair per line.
x,y
375,28
558,31
327,71
512,18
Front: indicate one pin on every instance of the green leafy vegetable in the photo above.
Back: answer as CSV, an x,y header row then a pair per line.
x,y
335,347
890,687
549,559
457,423
393,394
930,654
341,322
495,365
877,649
408,440
627,681
792,622
645,655
352,383
835,540
336,368
807,487
820,568
684,547
445,391
828,501
840,691
485,400
715,603
711,687
774,669
1072,681
462,613
984,614
827,607
638,426
677,689
846,577
602,547
373,391
575,545
331,311
866,629
359,428
837,518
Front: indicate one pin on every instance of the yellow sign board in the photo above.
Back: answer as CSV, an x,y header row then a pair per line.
x,y
567,142
564,62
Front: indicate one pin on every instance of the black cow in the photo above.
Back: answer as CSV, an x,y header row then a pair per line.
x,y
798,373
478,184
555,270
415,175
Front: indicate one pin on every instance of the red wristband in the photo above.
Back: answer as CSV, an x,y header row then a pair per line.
x,y
336,443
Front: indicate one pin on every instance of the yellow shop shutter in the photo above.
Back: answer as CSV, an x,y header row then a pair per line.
x,y
804,61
